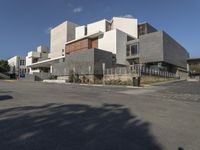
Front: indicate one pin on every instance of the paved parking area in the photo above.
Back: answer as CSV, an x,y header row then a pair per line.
x,y
38,116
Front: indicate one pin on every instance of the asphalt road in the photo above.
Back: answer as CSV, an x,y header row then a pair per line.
x,y
41,116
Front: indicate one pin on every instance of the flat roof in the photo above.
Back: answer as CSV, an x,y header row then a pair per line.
x,y
194,60
45,62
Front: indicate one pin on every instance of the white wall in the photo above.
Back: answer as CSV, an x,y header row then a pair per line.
x,y
28,61
96,26
34,54
108,41
41,54
80,32
71,31
42,49
59,36
114,41
127,25
14,61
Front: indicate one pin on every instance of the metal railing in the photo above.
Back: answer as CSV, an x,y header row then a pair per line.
x,y
139,71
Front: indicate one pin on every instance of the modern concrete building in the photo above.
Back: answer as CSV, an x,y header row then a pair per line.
x,y
33,57
17,66
118,42
156,49
106,35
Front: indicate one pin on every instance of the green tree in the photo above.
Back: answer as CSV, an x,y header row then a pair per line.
x,y
71,76
195,68
4,67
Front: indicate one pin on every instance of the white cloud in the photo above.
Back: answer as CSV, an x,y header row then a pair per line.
x,y
48,30
77,9
128,16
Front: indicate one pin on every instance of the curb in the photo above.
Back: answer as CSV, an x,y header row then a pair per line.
x,y
162,83
96,85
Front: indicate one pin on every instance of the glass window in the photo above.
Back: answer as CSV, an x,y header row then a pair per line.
x,y
128,50
134,49
22,63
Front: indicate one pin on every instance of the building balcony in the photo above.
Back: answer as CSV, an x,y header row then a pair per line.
x,y
33,55
132,56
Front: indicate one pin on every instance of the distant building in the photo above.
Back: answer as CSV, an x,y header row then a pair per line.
x,y
194,68
17,66
33,57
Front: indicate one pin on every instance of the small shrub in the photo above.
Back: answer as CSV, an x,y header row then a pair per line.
x,y
71,76
53,77
76,78
98,81
84,79
118,82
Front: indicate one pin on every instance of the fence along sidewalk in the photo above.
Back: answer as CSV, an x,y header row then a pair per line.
x,y
139,71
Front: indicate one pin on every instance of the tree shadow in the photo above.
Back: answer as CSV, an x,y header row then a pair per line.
x,y
5,97
74,127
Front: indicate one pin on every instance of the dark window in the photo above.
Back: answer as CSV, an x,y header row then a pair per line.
x,y
142,29
129,38
35,60
86,30
128,50
22,63
134,50
108,26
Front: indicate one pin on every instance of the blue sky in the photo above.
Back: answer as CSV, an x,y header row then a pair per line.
x,y
24,24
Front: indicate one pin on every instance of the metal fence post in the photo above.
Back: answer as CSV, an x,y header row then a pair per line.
x,y
103,66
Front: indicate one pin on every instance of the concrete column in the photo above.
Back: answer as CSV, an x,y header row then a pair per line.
x,y
89,69
188,67
103,67
51,69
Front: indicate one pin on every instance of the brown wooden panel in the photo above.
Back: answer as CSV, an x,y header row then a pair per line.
x,y
94,43
81,45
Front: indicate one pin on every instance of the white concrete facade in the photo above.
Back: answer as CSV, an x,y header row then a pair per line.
x,y
114,41
127,25
115,33
96,27
80,32
17,65
42,53
59,36
112,36
108,41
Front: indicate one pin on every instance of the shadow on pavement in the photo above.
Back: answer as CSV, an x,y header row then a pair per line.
x,y
74,127
5,97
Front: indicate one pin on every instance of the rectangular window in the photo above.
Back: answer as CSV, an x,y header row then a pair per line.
x,y
134,49
22,63
128,50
